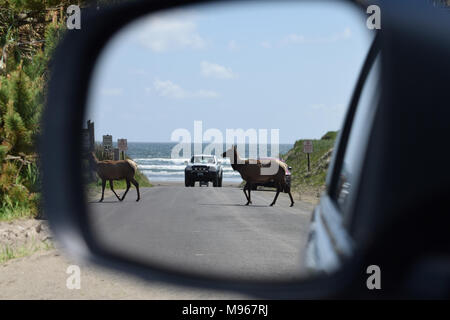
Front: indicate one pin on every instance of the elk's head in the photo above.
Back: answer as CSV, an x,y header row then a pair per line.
x,y
230,152
90,156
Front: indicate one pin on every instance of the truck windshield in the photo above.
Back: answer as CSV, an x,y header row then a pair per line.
x,y
202,159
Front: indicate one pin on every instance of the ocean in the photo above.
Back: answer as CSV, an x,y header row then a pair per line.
x,y
154,160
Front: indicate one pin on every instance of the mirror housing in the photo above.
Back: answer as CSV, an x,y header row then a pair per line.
x,y
60,146
76,55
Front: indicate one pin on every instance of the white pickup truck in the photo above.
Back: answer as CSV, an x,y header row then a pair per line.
x,y
203,168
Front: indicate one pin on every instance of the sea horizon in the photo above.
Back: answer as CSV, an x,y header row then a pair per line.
x,y
155,161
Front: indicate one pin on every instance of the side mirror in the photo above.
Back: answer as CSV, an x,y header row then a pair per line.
x,y
172,244
199,247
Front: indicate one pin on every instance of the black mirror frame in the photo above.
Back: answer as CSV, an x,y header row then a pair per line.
x,y
60,143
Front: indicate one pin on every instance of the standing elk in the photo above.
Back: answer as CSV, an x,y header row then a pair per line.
x,y
251,171
109,170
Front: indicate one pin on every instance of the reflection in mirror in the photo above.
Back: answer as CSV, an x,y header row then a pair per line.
x,y
209,131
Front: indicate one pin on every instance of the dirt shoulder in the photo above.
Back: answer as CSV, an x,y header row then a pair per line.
x,y
20,238
43,276
311,196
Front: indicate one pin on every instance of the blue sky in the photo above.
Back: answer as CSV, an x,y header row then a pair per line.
x,y
280,65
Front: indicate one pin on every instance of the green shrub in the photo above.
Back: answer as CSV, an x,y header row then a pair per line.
x,y
315,178
22,94
330,135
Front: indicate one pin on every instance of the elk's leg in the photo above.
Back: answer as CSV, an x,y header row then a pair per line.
x,y
136,184
249,196
112,189
245,187
292,200
276,196
128,188
103,189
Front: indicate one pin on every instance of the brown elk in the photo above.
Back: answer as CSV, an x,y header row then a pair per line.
x,y
109,170
252,171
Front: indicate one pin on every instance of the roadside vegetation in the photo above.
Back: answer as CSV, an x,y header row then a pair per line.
x,y
313,182
28,35
29,32
23,237
12,252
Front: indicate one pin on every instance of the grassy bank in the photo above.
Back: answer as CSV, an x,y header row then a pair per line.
x,y
18,211
23,237
13,252
312,182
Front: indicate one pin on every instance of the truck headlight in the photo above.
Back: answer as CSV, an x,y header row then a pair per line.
x,y
212,168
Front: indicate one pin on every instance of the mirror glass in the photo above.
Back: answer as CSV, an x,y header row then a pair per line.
x,y
210,130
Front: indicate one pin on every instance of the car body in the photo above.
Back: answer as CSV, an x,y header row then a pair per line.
x,y
329,240
271,184
204,169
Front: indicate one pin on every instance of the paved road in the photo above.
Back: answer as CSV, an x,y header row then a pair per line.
x,y
207,229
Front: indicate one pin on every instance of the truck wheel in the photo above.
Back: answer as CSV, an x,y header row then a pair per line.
x,y
192,183
187,182
220,181
215,181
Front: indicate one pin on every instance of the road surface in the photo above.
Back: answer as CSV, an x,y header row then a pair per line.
x,y
207,230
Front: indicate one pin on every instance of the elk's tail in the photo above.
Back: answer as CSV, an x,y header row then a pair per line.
x,y
283,165
132,164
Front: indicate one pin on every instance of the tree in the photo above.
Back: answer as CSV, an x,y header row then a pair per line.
x,y
29,33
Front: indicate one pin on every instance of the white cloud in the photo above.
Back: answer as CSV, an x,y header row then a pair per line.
x,y
294,39
167,88
111,91
213,70
300,39
161,34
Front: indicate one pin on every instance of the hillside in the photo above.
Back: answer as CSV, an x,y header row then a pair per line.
x,y
310,183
